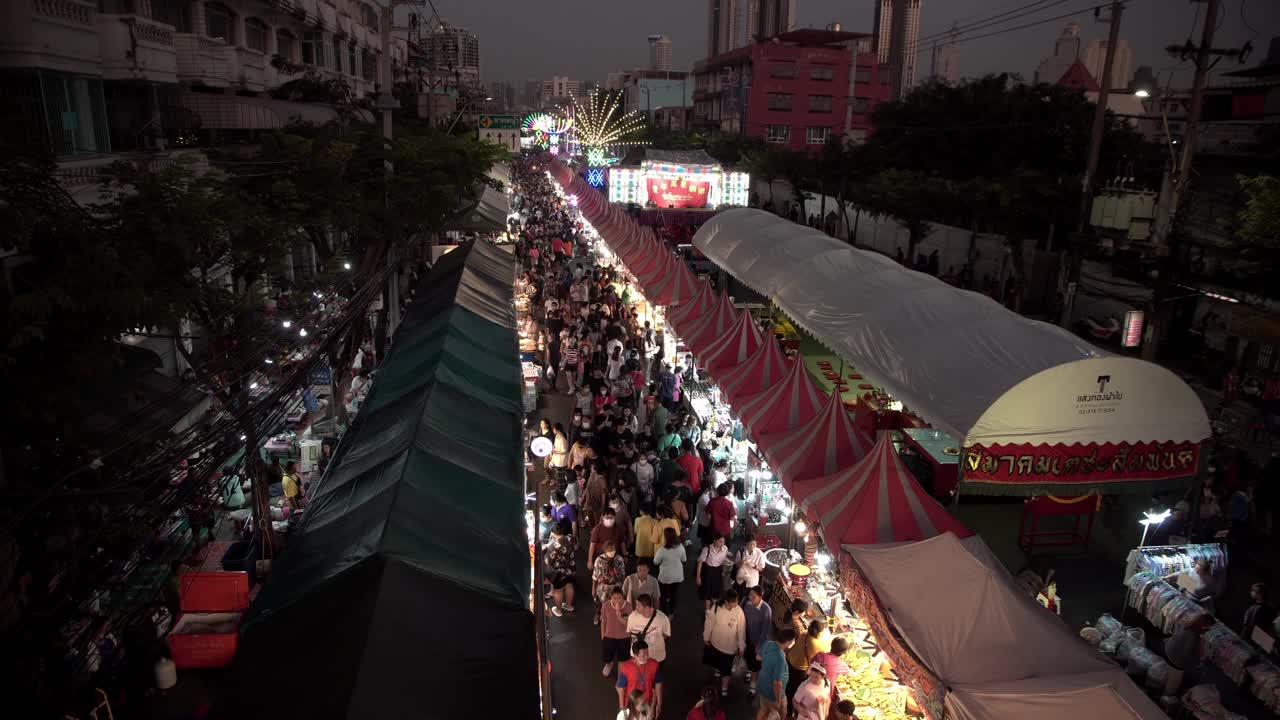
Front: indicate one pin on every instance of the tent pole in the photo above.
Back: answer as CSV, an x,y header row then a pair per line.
x,y
955,503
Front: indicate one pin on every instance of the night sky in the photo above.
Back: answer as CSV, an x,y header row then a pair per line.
x,y
586,39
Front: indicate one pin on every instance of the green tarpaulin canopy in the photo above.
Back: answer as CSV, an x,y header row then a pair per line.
x,y
488,213
404,592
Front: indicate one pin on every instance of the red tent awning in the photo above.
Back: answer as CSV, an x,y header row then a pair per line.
x,y
788,404
734,346
875,501
701,331
677,287
828,443
699,305
763,369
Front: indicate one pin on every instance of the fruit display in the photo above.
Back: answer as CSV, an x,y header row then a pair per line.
x,y
871,685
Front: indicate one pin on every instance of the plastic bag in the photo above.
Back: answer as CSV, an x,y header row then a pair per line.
x,y
1108,646
1125,648
1158,675
1140,661
1108,625
1091,635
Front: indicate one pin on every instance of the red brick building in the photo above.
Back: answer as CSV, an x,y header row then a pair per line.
x,y
795,89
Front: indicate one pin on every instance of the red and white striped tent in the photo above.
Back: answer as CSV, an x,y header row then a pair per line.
x,y
700,304
761,371
789,404
824,445
677,286
734,346
700,332
877,500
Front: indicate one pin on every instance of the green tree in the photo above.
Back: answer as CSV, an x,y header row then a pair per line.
x,y
909,197
1257,241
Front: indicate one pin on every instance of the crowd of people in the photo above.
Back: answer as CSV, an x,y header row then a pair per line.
x,y
633,482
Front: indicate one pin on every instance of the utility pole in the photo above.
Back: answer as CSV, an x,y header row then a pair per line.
x,y
1206,58
1076,256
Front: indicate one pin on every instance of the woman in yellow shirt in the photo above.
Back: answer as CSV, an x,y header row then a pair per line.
x,y
666,519
808,643
645,523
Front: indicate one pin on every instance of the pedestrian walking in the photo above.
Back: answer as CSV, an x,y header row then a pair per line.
x,y
607,573
749,564
641,675
651,625
670,559
759,618
562,559
641,582
615,641
771,685
710,572
725,638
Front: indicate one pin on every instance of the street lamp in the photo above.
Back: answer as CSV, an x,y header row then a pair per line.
x,y
346,266
1150,518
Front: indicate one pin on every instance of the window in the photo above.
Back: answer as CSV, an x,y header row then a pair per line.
x,y
255,34
779,101
817,135
351,60
820,103
172,12
780,134
821,73
885,76
862,76
368,65
117,7
337,54
285,45
313,49
787,70
369,17
861,106
218,23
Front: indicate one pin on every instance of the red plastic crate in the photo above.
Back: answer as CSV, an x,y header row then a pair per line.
x,y
209,597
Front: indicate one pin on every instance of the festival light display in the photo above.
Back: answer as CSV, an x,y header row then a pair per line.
x,y
601,123
547,129
679,186
595,177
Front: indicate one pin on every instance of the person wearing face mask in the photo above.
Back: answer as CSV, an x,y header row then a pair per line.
x,y
642,468
607,572
615,641
622,521
639,685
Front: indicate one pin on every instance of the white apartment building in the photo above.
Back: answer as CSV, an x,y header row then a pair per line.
x,y
93,78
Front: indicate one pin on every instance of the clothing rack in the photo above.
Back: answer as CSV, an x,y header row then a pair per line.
x,y
1140,559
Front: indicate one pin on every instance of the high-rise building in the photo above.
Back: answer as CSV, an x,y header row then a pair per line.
x,y
1095,56
531,98
1066,50
768,18
724,27
454,53
559,90
659,52
897,24
944,63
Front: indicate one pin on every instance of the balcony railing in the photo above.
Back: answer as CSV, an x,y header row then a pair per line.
x,y
71,11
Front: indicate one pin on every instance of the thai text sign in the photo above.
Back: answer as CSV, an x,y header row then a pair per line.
x,y
678,193
1080,464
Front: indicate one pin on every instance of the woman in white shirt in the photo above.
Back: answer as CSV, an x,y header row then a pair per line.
x,y
750,564
669,559
813,698
725,635
710,575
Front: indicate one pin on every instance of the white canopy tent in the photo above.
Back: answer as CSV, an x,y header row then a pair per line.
x,y
999,653
966,364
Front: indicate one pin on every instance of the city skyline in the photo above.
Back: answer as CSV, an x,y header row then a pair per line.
x,y
589,40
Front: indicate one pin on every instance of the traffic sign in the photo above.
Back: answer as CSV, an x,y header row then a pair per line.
x,y
498,122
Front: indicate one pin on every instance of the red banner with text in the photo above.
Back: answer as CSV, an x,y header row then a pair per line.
x,y
1024,469
678,193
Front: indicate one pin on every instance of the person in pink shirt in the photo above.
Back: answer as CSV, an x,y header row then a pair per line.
x,y
615,642
832,663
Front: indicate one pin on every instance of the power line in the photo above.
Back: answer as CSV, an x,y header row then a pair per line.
x,y
997,19
1063,16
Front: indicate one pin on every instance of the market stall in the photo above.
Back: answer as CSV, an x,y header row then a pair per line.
x,y
354,606
825,444
791,402
977,646
1032,408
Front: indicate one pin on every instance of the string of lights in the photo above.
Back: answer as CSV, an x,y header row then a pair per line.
x,y
601,123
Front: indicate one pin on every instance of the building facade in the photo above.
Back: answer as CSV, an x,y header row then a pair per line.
x,y
897,24
659,52
647,91
767,18
559,89
90,79
1095,57
452,52
944,63
797,90
724,29
1066,50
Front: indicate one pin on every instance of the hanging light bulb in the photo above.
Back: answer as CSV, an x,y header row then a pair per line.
x,y
287,324
802,527
346,266
253,386
824,559
269,361
302,332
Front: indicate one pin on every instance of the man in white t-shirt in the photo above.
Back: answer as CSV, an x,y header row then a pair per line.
x,y
659,626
